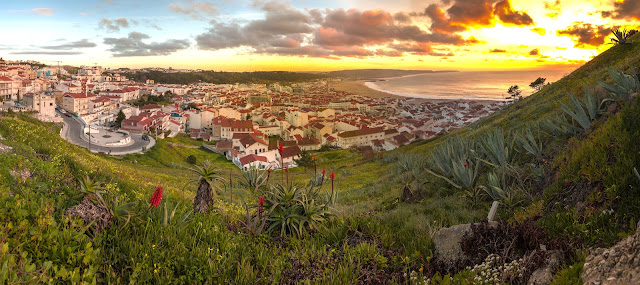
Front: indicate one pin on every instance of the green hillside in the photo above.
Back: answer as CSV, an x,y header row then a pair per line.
x,y
577,187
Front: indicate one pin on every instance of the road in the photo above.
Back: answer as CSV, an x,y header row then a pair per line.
x,y
73,134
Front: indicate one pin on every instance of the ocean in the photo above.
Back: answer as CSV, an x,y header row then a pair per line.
x,y
472,85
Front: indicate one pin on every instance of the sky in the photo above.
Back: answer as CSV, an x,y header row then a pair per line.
x,y
313,35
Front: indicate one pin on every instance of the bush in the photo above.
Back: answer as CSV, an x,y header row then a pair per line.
x,y
191,159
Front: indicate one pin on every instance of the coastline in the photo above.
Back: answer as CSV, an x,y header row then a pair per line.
x,y
360,87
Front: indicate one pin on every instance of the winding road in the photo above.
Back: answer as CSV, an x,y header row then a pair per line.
x,y
72,132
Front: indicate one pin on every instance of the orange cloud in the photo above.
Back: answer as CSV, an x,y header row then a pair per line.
x,y
584,34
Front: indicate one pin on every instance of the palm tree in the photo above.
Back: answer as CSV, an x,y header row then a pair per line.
x,y
207,175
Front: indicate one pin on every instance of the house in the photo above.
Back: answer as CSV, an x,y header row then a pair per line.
x,y
138,124
77,103
362,137
289,155
307,144
252,144
250,161
43,104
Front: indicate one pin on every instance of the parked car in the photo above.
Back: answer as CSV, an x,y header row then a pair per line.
x,y
145,137
67,114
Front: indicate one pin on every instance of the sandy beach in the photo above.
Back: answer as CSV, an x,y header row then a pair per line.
x,y
359,87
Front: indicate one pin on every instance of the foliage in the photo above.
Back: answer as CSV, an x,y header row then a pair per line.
x,y
527,141
206,175
297,210
191,159
496,148
166,216
119,118
538,84
305,160
515,93
584,111
621,37
623,86
254,178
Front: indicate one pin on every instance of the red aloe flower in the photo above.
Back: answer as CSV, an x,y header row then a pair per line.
x,y
314,158
281,149
286,169
156,197
465,165
261,201
333,175
324,171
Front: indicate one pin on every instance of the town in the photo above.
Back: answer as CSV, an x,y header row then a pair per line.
x,y
266,126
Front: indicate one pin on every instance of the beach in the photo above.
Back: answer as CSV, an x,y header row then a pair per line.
x,y
358,87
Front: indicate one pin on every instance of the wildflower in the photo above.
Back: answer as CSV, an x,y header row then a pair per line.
x,y
465,165
281,149
324,171
286,169
156,197
333,176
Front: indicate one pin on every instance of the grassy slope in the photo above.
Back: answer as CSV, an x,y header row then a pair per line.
x,y
363,185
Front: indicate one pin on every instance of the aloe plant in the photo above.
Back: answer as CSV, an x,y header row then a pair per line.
x,y
621,37
527,141
558,126
254,178
495,188
635,171
463,174
624,85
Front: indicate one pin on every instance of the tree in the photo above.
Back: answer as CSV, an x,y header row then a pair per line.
x,y
514,92
538,84
305,159
206,175
121,116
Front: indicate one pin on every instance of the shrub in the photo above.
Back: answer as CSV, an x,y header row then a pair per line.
x,y
191,159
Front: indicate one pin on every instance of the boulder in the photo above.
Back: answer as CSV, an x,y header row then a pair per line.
x,y
447,244
619,264
544,274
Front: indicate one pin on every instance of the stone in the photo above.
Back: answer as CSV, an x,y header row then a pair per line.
x,y
615,265
544,274
447,243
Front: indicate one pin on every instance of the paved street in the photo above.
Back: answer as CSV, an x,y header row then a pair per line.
x,y
73,133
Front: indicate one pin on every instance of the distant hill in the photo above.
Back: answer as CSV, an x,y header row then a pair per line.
x,y
378,73
223,77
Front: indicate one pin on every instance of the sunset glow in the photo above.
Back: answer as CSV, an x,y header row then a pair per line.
x,y
314,35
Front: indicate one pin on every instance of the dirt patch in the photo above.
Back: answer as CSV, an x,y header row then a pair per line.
x,y
89,212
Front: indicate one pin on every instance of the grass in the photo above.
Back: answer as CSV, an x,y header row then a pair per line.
x,y
375,234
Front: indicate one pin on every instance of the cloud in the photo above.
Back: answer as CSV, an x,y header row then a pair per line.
x,y
328,33
84,43
534,52
539,31
47,52
155,27
584,34
196,10
43,11
464,14
509,16
110,2
497,51
624,9
554,9
133,45
113,25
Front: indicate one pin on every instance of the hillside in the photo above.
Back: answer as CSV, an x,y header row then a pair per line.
x,y
575,190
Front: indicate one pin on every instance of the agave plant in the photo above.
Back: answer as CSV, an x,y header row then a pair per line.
x,y
464,174
450,153
254,178
206,176
621,37
558,126
496,149
583,112
527,141
624,85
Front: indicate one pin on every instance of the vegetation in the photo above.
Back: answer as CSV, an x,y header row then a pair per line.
x,y
223,77
564,174
119,118
152,99
538,84
514,92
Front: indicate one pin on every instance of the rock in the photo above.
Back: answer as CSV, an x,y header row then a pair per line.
x,y
447,243
544,274
5,148
89,212
615,265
